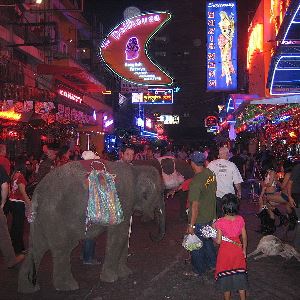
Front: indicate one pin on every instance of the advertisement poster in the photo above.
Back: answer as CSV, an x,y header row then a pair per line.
x,y
221,18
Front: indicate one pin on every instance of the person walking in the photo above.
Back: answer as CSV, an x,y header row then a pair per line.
x,y
231,273
7,250
202,212
228,177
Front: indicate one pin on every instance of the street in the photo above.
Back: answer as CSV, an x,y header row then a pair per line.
x,y
158,269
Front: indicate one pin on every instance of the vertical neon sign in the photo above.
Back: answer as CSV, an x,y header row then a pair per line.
x,y
221,58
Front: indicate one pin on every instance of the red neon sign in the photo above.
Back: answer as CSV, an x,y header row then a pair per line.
x,y
125,49
69,95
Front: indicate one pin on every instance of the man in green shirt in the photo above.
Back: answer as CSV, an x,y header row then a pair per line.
x,y
202,198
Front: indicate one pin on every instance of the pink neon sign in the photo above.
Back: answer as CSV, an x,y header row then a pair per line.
x,y
69,95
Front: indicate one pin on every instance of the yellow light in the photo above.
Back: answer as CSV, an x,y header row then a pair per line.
x,y
38,1
292,134
255,42
10,115
106,92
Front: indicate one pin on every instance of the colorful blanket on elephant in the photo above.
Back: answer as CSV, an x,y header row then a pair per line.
x,y
104,205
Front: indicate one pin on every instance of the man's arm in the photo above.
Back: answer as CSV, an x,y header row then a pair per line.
x,y
194,215
238,187
4,193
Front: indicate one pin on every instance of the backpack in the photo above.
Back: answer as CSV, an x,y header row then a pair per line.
x,y
173,180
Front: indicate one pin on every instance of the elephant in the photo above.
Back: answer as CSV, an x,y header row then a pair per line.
x,y
167,166
60,201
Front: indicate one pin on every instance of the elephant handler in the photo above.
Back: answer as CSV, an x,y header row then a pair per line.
x,y
202,212
6,247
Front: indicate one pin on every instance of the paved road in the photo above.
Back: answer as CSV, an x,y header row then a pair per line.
x,y
158,270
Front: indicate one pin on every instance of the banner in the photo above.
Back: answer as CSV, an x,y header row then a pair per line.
x,y
221,20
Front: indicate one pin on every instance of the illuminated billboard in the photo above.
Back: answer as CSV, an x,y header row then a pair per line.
x,y
221,26
168,119
154,96
125,49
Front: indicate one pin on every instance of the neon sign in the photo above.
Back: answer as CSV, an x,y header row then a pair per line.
x,y
255,42
108,123
10,115
69,95
169,119
148,123
285,77
125,50
154,96
221,45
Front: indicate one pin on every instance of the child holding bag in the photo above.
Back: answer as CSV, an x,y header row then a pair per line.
x,y
231,273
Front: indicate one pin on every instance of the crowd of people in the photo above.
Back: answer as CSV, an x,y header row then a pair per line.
x,y
212,197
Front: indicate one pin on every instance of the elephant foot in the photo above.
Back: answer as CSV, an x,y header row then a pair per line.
x,y
108,276
124,271
27,288
66,285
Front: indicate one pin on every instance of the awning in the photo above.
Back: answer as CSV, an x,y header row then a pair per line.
x,y
75,77
277,100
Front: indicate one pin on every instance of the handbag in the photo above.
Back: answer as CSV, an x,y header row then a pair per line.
x,y
104,206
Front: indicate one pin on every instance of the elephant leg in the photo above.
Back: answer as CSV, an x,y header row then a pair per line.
x,y
27,280
63,279
114,265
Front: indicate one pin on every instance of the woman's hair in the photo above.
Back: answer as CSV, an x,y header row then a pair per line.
x,y
20,165
230,204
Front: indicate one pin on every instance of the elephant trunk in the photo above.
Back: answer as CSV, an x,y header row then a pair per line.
x,y
160,216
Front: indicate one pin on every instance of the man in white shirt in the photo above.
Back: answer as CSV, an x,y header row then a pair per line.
x,y
228,177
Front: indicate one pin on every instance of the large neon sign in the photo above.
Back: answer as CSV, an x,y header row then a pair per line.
x,y
125,50
221,45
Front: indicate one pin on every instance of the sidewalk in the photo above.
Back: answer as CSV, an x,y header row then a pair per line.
x,y
158,270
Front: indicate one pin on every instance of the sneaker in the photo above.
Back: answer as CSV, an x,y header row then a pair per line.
x,y
19,259
92,262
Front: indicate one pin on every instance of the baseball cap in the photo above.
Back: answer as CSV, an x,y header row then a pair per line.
x,y
198,158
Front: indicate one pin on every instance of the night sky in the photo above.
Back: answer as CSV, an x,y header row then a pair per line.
x,y
187,15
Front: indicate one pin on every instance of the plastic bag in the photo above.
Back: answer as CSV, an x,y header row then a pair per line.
x,y
191,242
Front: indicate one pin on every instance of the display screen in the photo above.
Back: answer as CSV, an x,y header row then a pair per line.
x,y
125,50
154,96
221,18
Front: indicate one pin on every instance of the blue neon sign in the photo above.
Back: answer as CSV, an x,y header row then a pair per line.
x,y
221,17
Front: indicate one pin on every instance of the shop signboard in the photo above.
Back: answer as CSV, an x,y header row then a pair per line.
x,y
125,50
154,96
168,119
221,18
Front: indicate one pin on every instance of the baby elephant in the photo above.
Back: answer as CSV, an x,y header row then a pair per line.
x,y
271,245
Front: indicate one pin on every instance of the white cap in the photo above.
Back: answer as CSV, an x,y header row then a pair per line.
x,y
86,155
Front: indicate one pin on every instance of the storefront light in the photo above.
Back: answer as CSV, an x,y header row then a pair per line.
x,y
10,115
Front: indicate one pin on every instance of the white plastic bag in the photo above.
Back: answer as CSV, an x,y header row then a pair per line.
x,y
191,242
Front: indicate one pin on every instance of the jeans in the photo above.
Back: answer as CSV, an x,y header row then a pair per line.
x,y
88,250
17,209
204,258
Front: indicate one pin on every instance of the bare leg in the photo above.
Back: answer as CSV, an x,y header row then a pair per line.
x,y
242,294
227,295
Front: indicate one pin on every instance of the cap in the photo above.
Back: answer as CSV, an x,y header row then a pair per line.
x,y
198,158
89,155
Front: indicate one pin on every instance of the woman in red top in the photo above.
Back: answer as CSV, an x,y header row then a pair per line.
x,y
231,272
18,198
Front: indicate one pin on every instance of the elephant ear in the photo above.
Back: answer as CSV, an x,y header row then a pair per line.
x,y
149,189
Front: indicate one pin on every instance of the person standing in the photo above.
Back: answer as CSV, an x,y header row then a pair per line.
x,y
127,154
293,190
231,272
6,247
228,177
18,202
4,161
202,212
